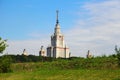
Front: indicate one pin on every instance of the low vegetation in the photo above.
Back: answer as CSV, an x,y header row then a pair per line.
x,y
72,63
5,64
118,54
81,74
105,68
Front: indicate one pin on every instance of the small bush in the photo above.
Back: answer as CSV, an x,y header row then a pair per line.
x,y
118,54
5,64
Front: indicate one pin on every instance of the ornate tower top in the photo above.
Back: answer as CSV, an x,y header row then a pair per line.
x,y
57,26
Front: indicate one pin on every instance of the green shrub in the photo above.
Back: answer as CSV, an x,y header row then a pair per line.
x,y
118,54
5,64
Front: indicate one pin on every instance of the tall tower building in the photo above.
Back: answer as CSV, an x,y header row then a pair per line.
x,y
58,49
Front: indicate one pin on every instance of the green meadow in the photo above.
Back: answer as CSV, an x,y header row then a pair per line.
x,y
99,68
63,75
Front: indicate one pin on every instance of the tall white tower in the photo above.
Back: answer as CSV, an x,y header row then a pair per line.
x,y
58,47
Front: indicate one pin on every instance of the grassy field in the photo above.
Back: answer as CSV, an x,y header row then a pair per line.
x,y
63,75
62,69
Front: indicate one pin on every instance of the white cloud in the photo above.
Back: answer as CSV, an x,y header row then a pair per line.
x,y
99,32
31,46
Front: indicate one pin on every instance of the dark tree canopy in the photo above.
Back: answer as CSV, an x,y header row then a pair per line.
x,y
118,54
3,45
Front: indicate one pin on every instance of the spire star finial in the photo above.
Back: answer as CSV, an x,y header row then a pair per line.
x,y
57,16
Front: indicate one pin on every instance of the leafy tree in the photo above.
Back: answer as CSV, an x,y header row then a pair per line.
x,y
5,64
3,45
5,61
118,54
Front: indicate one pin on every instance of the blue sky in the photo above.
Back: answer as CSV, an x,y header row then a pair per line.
x,y
25,16
87,24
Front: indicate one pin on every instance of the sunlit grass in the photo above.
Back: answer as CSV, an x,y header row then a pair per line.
x,y
75,69
63,75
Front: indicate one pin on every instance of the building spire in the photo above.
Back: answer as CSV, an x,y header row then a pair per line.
x,y
57,26
57,21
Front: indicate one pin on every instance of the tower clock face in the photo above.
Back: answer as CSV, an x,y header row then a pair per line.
x,y
60,37
60,40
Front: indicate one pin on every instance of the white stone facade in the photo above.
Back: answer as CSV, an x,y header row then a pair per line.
x,y
25,52
42,52
58,48
89,55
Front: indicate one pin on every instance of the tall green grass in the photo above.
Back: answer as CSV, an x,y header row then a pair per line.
x,y
63,64
100,68
63,75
